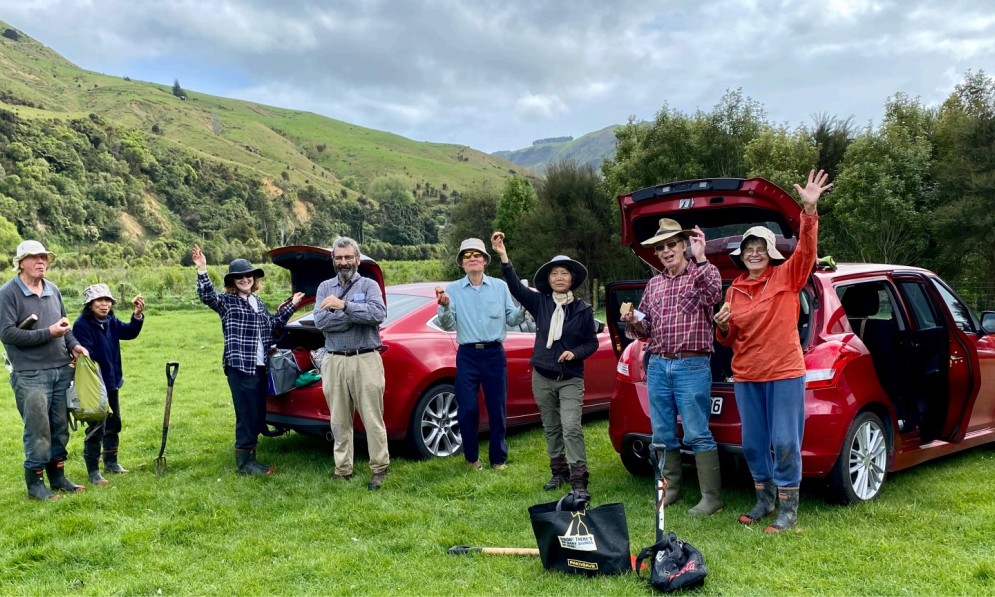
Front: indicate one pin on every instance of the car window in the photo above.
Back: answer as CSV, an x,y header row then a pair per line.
x,y
399,305
961,314
920,305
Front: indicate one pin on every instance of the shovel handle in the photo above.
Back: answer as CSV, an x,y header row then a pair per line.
x,y
172,367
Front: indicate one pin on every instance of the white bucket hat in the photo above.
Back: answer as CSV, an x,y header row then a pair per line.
x,y
95,291
472,244
668,229
29,248
761,232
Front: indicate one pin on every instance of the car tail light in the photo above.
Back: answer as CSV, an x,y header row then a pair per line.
x,y
630,364
825,363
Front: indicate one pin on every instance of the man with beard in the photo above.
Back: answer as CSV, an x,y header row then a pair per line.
x,y
349,313
40,345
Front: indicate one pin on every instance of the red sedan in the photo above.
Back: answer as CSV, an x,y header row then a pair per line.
x,y
898,369
419,361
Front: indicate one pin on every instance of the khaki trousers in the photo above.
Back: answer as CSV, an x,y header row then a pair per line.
x,y
560,407
354,384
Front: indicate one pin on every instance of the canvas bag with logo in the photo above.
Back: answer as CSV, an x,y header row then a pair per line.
x,y
591,541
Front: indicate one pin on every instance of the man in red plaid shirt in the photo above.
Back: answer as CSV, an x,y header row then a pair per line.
x,y
675,315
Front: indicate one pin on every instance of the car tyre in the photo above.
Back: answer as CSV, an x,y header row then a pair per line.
x,y
434,431
862,466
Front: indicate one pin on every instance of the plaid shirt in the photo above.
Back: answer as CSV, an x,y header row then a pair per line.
x,y
679,309
242,326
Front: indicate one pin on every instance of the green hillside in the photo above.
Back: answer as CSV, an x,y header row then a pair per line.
x,y
282,151
591,149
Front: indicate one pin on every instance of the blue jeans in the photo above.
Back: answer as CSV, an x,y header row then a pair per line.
x,y
41,399
680,386
486,368
773,416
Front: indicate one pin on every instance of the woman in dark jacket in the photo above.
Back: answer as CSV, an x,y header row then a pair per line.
x,y
565,336
101,332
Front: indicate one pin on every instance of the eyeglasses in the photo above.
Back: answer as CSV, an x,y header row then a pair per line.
x,y
754,250
667,245
472,255
240,276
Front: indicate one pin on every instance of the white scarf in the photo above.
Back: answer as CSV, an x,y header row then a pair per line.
x,y
556,321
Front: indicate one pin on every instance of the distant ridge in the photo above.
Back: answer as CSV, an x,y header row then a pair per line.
x,y
591,148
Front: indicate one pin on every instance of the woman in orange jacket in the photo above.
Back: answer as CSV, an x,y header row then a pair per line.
x,y
759,321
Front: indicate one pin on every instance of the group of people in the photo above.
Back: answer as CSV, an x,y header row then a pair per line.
x,y
676,317
758,321
40,348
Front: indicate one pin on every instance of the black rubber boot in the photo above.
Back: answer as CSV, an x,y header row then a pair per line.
x,y
91,456
787,510
35,481
248,465
766,494
561,473
57,477
578,481
111,464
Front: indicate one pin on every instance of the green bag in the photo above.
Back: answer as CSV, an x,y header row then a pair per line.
x,y
87,396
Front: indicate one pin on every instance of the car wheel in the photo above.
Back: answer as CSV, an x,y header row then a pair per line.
x,y
862,466
434,431
635,458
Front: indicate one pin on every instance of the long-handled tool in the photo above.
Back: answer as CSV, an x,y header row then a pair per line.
x,y
494,551
159,465
658,455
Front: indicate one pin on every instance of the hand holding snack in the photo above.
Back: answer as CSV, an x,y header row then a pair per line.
x,y
497,243
625,311
59,328
441,297
723,316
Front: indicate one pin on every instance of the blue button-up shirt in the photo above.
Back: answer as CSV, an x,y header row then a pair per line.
x,y
479,313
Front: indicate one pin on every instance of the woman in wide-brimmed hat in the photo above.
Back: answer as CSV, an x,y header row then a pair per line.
x,y
759,321
248,330
565,336
100,331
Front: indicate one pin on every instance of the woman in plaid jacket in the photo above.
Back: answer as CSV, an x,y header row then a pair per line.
x,y
248,330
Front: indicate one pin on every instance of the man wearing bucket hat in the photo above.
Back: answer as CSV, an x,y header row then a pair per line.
x,y
759,321
675,314
40,345
100,331
565,336
479,308
247,326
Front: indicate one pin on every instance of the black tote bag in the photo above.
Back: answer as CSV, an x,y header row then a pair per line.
x,y
592,541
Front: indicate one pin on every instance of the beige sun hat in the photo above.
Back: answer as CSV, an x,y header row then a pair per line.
x,y
472,244
29,248
95,291
668,228
761,232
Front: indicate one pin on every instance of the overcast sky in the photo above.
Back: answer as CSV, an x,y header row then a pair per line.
x,y
498,74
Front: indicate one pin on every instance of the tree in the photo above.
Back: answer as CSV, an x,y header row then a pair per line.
x,y
9,238
517,202
177,90
400,216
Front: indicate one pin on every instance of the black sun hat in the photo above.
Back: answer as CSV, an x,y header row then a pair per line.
x,y
241,267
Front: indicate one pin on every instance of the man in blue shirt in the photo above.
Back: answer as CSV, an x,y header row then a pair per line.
x,y
479,308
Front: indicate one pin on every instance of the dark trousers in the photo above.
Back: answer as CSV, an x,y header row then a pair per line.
x,y
485,368
106,433
248,395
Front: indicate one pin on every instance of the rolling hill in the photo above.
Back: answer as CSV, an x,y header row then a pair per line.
x,y
284,149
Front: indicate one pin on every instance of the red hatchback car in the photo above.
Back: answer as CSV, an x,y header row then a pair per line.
x,y
898,368
419,362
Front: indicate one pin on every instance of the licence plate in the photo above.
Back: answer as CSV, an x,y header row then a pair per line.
x,y
716,405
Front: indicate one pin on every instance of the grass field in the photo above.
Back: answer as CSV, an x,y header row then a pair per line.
x,y
203,530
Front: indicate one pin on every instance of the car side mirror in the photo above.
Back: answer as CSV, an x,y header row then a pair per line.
x,y
988,321
599,326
